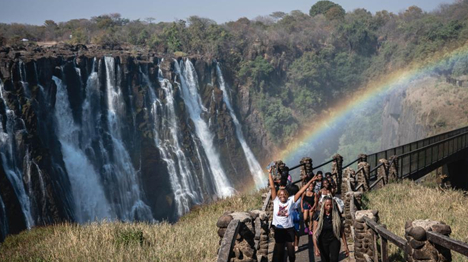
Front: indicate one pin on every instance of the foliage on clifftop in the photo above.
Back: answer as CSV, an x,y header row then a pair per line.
x,y
400,202
299,64
193,238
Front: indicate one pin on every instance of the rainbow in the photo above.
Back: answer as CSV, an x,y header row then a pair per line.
x,y
362,98
337,115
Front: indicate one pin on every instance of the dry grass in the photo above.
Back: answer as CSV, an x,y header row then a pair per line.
x,y
193,238
400,202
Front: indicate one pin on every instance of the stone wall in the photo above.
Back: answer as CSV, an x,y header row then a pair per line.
x,y
419,248
251,239
364,236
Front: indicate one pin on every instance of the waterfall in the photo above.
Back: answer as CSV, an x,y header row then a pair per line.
x,y
184,183
189,90
10,162
254,166
23,79
90,201
120,170
3,220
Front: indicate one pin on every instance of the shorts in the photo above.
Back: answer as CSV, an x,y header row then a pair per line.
x,y
283,235
306,206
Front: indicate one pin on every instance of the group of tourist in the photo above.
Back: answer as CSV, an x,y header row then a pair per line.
x,y
314,208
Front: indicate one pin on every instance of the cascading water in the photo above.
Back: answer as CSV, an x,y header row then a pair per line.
x,y
189,90
3,220
254,166
129,204
24,82
185,184
90,200
75,158
10,162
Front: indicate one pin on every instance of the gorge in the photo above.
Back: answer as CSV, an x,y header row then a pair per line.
x,y
90,137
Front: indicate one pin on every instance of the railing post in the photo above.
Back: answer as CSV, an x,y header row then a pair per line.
x,y
393,169
337,171
364,236
306,168
347,184
418,247
364,177
382,173
384,248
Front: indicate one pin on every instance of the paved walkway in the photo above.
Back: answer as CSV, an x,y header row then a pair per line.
x,y
306,251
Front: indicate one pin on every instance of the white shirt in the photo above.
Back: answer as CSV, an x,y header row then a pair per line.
x,y
282,217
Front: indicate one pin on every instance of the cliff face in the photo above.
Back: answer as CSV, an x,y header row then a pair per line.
x,y
106,133
427,106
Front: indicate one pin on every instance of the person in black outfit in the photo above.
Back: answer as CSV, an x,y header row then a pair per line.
x,y
328,229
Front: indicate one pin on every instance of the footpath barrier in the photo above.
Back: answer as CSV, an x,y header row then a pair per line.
x,y
425,240
245,235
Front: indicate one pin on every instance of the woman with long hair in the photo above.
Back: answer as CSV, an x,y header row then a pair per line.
x,y
283,220
326,190
328,230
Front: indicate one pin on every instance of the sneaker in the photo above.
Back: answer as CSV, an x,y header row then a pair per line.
x,y
296,248
306,230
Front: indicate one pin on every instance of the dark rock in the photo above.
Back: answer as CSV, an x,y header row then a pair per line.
x,y
408,224
422,255
442,229
223,221
221,231
418,233
416,244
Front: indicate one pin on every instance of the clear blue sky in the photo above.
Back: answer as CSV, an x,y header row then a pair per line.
x,y
37,11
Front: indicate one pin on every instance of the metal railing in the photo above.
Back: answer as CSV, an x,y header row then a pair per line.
x,y
417,158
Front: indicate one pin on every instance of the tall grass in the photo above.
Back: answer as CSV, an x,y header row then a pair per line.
x,y
193,238
400,202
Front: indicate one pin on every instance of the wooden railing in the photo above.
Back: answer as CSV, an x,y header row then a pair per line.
x,y
380,232
407,161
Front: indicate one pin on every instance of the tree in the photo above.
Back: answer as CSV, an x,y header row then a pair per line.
x,y
150,19
335,11
277,15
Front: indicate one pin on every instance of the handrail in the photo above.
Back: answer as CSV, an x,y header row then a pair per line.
x,y
354,161
431,145
376,167
323,164
326,163
375,183
229,238
359,170
438,135
382,231
448,242
359,187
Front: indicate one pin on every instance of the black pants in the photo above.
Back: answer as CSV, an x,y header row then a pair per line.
x,y
284,238
329,250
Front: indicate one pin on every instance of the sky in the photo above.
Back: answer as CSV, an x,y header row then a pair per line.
x,y
37,11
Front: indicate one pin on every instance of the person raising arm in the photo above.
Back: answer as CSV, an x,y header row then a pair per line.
x,y
282,219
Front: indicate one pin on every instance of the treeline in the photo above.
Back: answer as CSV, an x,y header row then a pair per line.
x,y
296,63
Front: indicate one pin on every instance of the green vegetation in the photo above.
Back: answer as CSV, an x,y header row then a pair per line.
x,y
299,64
193,238
327,8
400,202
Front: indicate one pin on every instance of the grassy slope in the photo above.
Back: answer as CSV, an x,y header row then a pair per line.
x,y
400,202
193,238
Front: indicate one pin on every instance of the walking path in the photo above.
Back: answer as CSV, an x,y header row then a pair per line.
x,y
306,251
